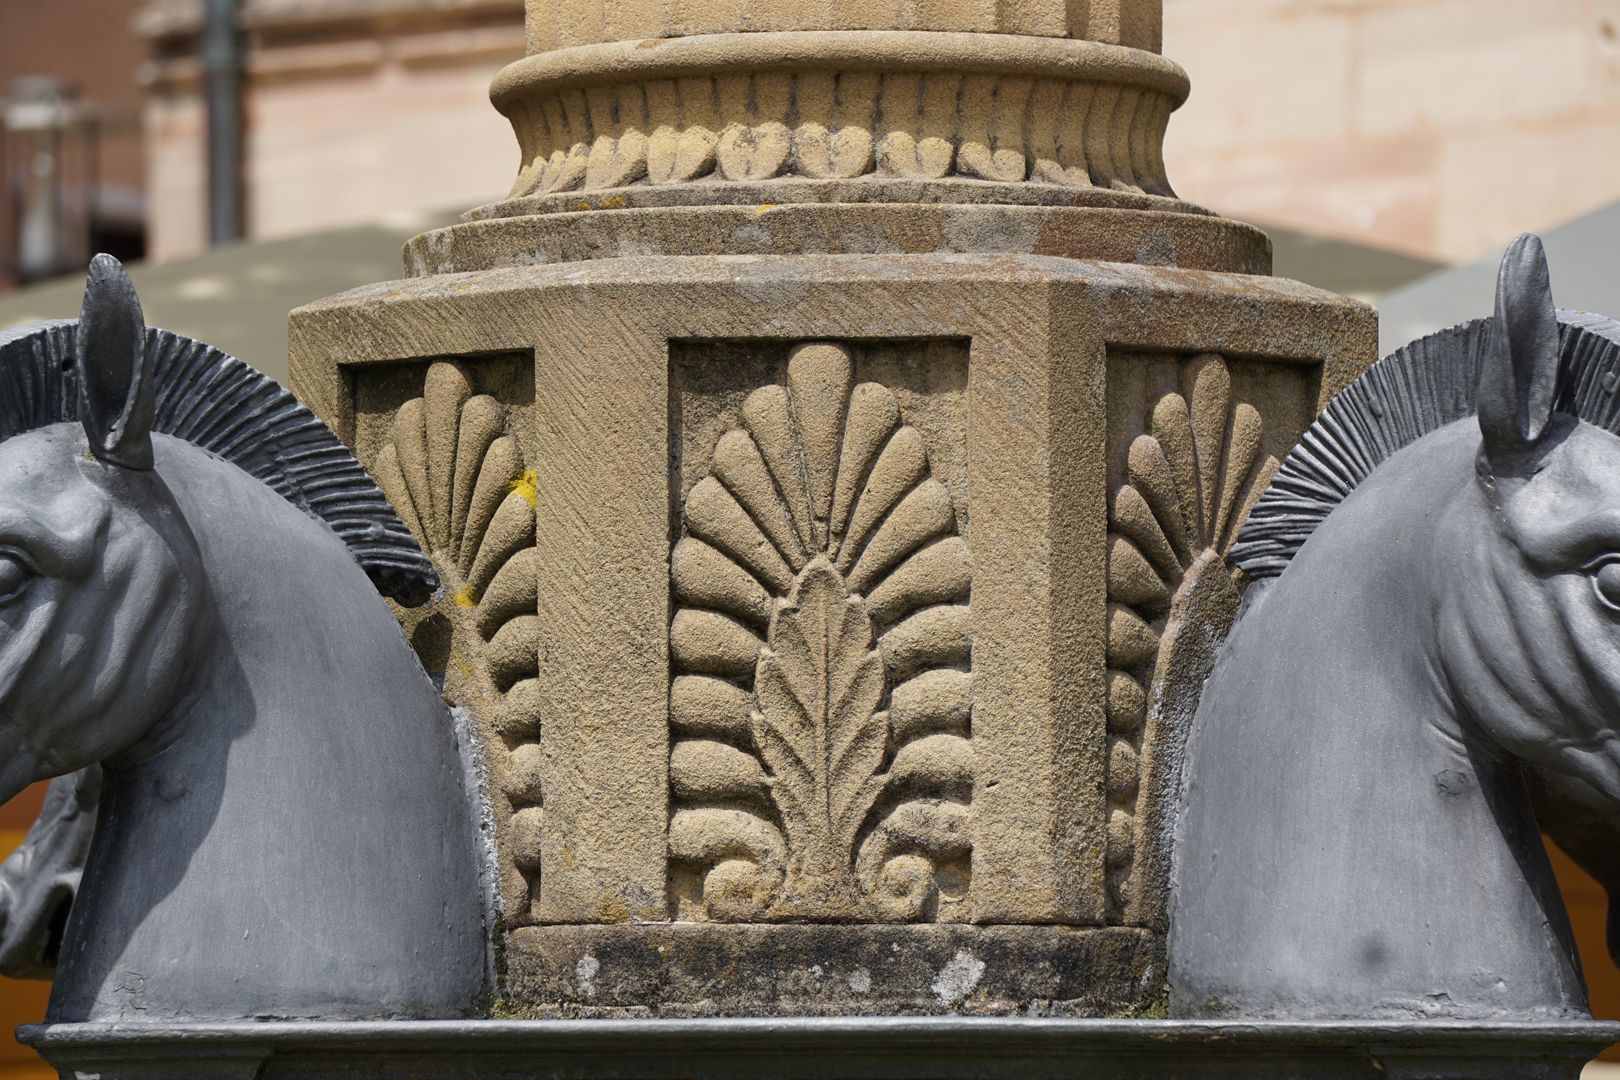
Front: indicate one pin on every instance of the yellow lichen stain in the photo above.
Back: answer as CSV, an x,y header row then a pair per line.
x,y
764,208
613,202
525,487
466,597
582,206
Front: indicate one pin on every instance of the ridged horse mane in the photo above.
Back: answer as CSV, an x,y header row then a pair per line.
x,y
218,403
1413,391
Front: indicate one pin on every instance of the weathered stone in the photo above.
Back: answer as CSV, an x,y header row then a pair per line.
x,y
686,969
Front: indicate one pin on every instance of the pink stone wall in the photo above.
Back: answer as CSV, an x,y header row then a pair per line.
x,y
349,120
1437,127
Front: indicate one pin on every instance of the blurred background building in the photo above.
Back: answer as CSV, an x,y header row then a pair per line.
x,y
106,120
72,167
251,155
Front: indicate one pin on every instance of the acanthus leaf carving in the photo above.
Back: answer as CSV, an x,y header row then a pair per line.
x,y
818,684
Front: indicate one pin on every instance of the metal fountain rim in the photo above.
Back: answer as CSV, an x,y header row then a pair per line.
x,y
557,1034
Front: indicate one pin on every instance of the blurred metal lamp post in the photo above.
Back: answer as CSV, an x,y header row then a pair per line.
x,y
222,66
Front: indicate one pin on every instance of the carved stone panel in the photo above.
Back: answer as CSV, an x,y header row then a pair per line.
x,y
451,459
820,704
1193,442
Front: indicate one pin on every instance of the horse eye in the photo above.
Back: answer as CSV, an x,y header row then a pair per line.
x,y
1606,582
14,577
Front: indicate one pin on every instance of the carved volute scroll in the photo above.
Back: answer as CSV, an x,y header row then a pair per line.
x,y
1190,478
821,765
458,478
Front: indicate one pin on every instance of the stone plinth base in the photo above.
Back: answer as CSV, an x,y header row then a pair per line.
x,y
693,969
892,1048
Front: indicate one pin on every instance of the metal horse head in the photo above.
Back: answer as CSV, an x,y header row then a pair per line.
x,y
84,520
182,603
87,527
1430,655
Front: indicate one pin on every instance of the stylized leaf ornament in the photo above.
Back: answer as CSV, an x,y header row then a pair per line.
x,y
1191,476
818,683
457,478
821,765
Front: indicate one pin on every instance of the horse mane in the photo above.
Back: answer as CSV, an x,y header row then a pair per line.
x,y
216,402
1403,397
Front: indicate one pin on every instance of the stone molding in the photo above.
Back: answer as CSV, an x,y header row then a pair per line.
x,y
836,105
559,24
521,233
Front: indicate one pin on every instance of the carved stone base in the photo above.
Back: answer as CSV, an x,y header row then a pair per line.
x,y
815,608
823,1049
687,969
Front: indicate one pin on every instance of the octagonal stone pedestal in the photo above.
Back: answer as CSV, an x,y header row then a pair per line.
x,y
687,449
829,449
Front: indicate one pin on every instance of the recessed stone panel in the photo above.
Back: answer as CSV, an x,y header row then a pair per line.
x,y
821,761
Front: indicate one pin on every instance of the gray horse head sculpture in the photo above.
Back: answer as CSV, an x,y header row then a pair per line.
x,y
285,828
1429,655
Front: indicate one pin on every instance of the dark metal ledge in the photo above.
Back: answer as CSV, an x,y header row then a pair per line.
x,y
892,1048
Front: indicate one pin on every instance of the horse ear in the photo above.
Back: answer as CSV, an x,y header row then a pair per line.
x,y
1519,379
116,396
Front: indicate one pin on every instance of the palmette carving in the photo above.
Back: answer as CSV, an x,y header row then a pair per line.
x,y
459,481
821,767
1191,478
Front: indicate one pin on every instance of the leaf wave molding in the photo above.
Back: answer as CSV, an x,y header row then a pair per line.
x,y
458,479
830,124
1190,479
821,765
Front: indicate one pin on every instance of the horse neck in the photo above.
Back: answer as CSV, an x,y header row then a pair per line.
x,y
310,772
304,664
1329,774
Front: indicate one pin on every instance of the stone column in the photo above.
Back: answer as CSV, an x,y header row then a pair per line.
x,y
829,449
